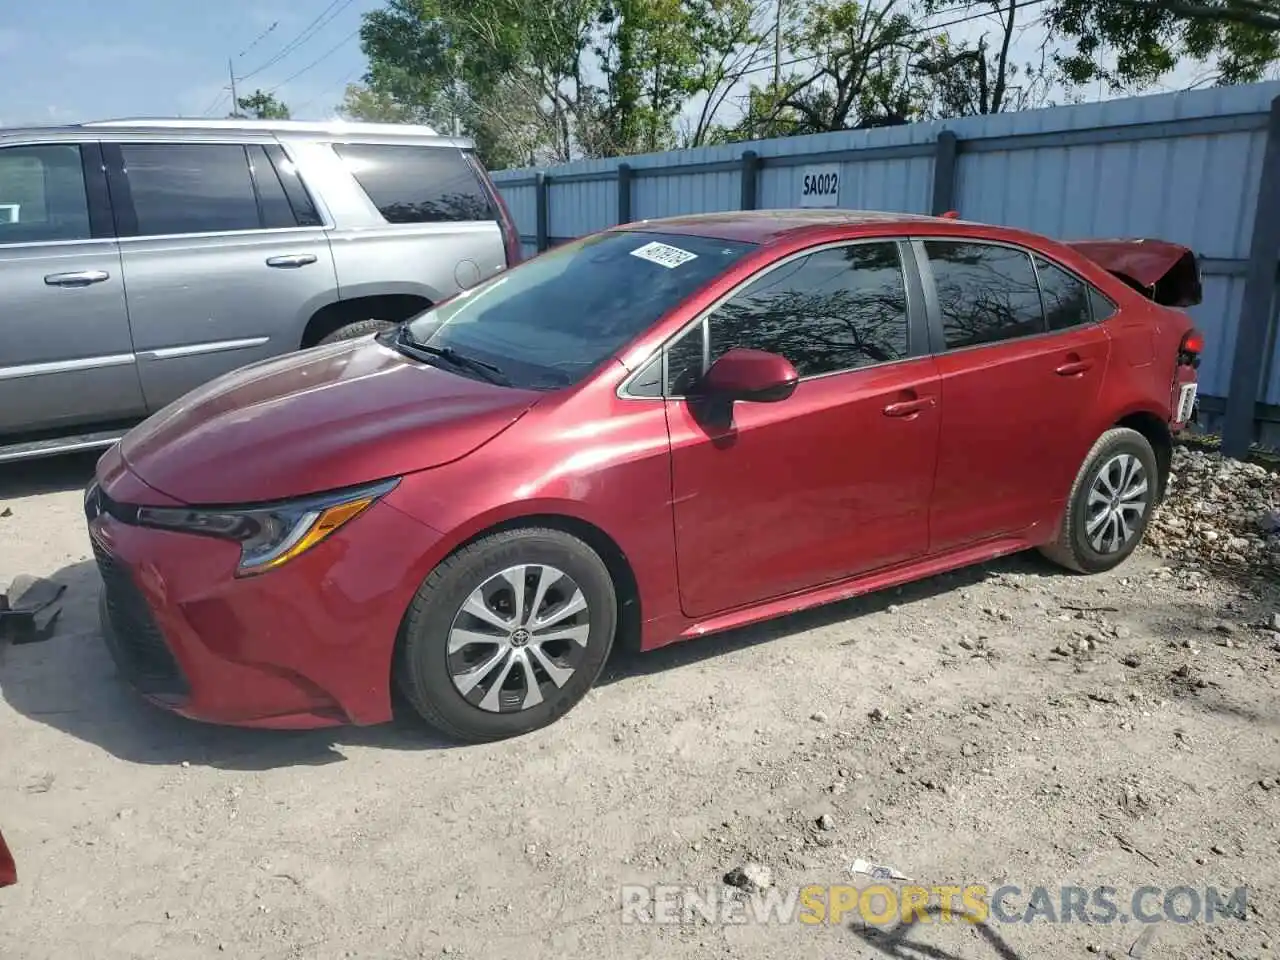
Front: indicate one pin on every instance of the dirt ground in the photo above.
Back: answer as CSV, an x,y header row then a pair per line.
x,y
1008,724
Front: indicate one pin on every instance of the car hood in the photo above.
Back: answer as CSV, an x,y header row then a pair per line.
x,y
316,420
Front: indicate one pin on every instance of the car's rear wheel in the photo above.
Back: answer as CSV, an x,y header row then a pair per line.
x,y
1110,504
507,634
352,330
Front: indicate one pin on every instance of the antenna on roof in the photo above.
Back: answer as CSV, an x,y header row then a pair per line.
x,y
951,215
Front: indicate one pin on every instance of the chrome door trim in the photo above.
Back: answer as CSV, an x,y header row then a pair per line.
x,y
65,366
197,349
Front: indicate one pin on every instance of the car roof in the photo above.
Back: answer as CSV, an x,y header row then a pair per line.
x,y
766,226
237,126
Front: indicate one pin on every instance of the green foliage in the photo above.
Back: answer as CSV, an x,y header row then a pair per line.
x,y
516,72
359,102
261,105
546,81
852,70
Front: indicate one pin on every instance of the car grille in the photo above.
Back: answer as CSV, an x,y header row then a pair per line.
x,y
135,642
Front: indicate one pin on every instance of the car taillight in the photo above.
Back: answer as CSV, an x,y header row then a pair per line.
x,y
510,235
1190,348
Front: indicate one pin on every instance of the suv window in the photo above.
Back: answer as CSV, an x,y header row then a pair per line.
x,y
190,187
304,209
410,184
550,321
42,194
986,293
1066,297
836,309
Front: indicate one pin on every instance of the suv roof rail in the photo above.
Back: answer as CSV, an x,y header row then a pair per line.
x,y
336,125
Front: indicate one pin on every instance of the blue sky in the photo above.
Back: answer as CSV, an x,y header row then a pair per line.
x,y
64,61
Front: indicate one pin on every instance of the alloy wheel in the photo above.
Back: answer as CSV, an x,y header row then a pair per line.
x,y
518,637
1117,502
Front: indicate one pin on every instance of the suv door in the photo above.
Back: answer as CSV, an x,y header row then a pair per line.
x,y
1022,365
835,480
224,254
67,358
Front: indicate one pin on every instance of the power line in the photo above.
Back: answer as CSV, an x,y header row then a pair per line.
x,y
322,20
317,61
213,105
257,40
906,33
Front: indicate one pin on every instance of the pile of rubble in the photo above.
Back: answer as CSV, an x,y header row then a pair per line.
x,y
1219,512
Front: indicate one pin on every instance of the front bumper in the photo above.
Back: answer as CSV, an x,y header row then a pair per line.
x,y
309,644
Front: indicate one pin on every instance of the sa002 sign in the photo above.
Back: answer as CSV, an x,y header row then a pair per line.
x,y
820,185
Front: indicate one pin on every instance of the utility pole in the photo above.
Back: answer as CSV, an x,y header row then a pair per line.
x,y
235,102
777,46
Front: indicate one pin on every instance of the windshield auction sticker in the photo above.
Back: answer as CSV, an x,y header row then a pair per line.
x,y
663,254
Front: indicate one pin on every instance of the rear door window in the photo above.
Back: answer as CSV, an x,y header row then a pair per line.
x,y
180,188
415,184
986,293
1066,297
42,194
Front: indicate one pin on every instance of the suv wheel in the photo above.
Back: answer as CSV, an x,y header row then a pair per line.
x,y
1110,504
507,634
358,329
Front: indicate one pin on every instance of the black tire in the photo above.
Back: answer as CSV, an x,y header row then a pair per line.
x,y
422,669
1071,547
352,330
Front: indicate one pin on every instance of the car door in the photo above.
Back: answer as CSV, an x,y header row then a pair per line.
x,y
1021,365
831,482
67,357
224,255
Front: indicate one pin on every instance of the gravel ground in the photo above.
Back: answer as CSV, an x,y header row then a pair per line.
x,y
1005,724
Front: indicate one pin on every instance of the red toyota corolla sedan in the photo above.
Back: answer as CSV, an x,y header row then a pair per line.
x,y
663,430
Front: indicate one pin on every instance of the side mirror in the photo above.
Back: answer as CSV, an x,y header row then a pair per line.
x,y
752,375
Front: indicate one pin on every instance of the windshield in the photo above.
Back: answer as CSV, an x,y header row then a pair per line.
x,y
552,320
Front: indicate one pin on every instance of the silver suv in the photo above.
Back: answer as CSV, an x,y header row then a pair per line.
x,y
141,258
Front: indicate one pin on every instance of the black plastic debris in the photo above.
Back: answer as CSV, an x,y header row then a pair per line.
x,y
28,611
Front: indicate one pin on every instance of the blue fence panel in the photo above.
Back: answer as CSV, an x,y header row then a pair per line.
x,y
678,193
581,206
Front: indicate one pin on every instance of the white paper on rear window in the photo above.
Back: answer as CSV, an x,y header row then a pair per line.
x,y
664,255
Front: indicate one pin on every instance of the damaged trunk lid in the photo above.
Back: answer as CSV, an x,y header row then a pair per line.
x,y
1163,272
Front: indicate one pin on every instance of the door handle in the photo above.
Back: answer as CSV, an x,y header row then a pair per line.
x,y
80,278
908,408
1073,368
293,260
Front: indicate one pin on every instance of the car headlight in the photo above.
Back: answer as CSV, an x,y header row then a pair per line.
x,y
272,534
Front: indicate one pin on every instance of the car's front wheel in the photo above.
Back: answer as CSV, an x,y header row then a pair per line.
x,y
507,634
1110,504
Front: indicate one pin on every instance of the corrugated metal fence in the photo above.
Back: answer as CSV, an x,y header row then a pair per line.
x,y
1185,167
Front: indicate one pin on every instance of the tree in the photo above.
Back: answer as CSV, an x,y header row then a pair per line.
x,y
359,102
1239,39
261,105
448,56
853,59
734,42
975,79
553,80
